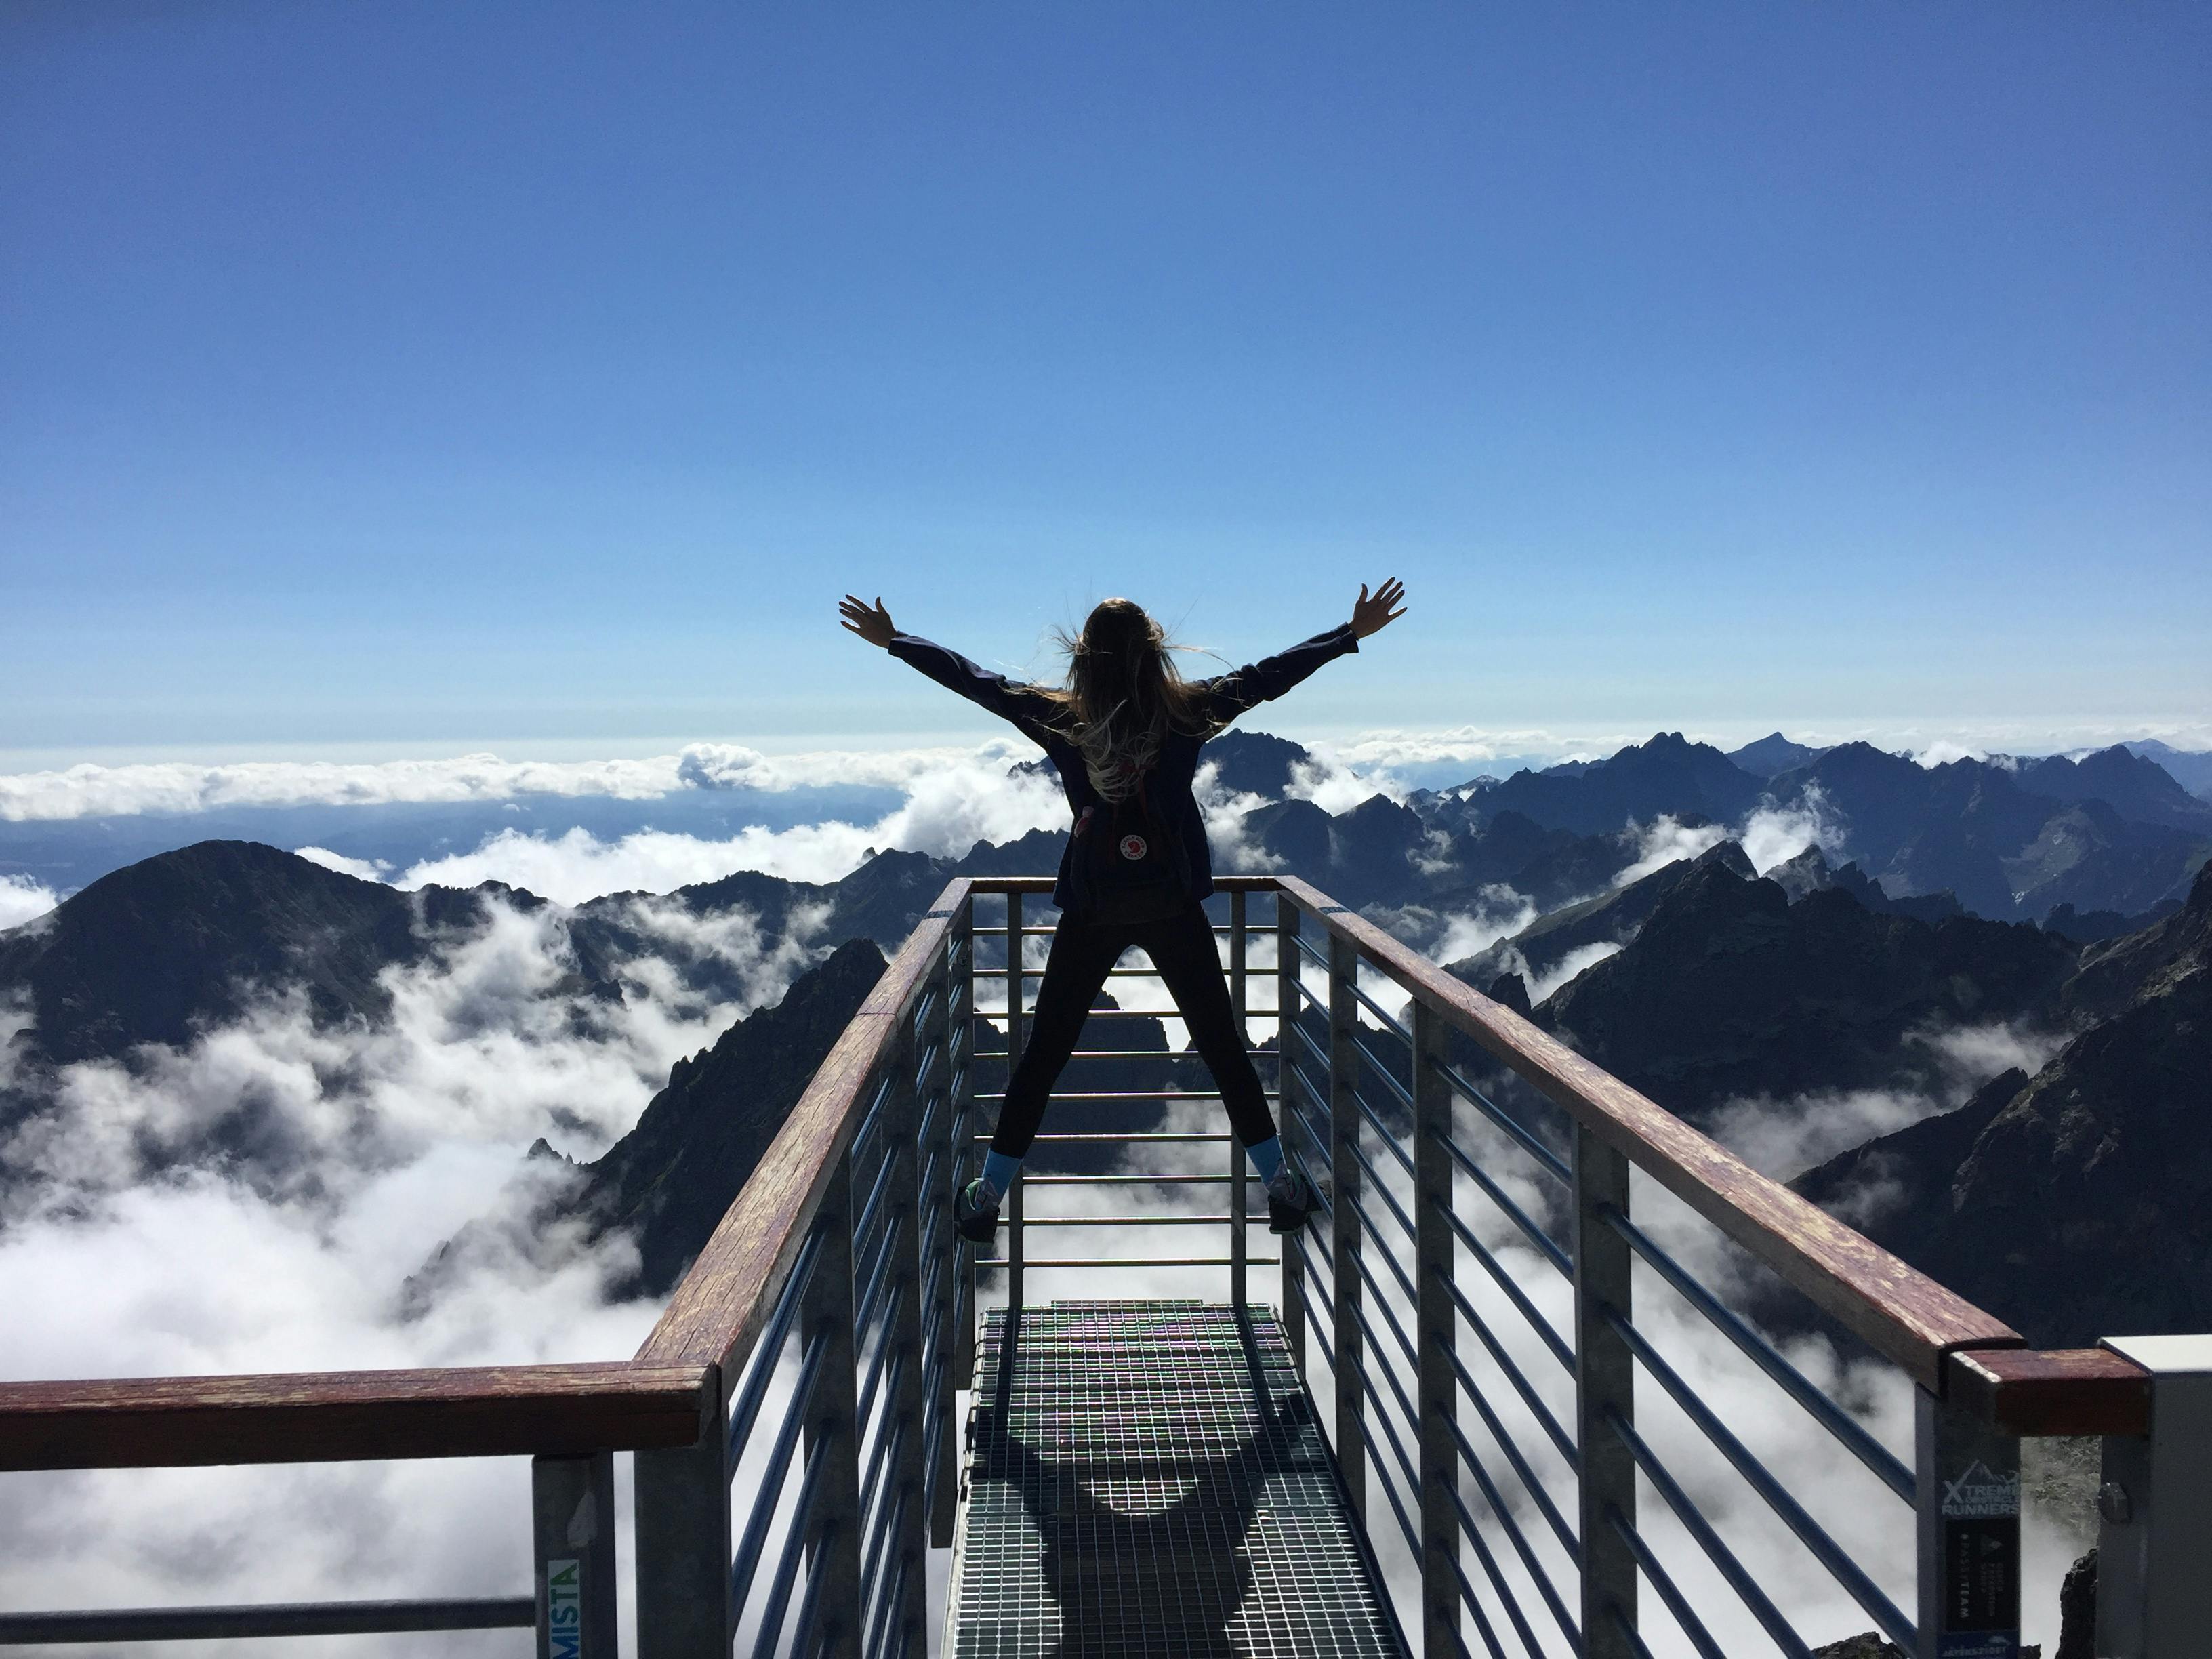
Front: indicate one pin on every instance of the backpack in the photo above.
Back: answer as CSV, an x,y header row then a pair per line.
x,y
1127,855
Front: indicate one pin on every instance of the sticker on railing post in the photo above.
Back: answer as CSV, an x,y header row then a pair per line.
x,y
564,1609
1981,1565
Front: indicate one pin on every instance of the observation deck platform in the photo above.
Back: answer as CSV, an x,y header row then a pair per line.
x,y
1150,1478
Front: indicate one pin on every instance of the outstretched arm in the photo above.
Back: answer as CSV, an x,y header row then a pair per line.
x,y
1232,693
995,692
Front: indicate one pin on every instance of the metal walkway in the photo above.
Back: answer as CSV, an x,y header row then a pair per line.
x,y
1148,1479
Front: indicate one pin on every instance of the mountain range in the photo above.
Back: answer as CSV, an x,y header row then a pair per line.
x,y
2069,1197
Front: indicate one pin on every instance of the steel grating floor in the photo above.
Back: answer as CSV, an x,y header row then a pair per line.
x,y
1146,1478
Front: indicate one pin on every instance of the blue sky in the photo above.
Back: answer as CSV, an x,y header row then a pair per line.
x,y
418,376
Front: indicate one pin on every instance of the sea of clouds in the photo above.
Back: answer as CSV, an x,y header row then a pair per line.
x,y
125,1251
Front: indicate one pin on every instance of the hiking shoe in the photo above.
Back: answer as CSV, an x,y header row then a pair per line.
x,y
1290,1202
975,1212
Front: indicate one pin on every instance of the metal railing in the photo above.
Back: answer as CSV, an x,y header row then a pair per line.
x,y
793,1412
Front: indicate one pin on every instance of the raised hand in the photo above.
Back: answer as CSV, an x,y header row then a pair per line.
x,y
873,624
1368,616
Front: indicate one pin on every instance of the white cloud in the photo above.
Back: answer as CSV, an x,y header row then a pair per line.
x,y
1223,812
1785,1138
360,869
1775,835
90,791
1667,841
23,900
1501,913
1569,967
947,810
1333,786
370,1146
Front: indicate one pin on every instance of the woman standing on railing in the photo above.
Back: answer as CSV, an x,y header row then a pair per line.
x,y
1125,733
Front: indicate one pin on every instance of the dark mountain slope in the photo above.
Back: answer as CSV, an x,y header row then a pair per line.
x,y
1669,774
2083,1208
1254,763
185,939
1611,918
1731,990
1773,755
2139,790
1974,829
671,1177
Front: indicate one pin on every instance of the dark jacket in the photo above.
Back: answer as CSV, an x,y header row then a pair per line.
x,y
1167,787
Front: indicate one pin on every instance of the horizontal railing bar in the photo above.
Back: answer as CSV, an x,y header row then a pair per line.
x,y
1829,1415
1902,1314
1128,1094
864,1407
874,1114
1136,1180
1636,1643
1472,1603
1161,1055
1142,1137
1313,1047
1693,1522
769,1349
1518,1459
324,1417
1312,952
1519,1132
873,1564
991,886
1382,1131
794,1547
1471,1531
1390,1022
1677,1603
767,1489
1568,1626
1830,1555
1135,1220
1535,1234
1029,1261
270,1619
1406,1347
810,1600
881,1460
1513,1374
1309,1280
1397,1447
1383,1244
1519,1297
1375,1065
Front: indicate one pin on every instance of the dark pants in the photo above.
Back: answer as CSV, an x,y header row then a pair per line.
x,y
1182,951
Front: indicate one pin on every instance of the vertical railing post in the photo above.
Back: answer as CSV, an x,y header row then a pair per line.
x,y
1015,1032
944,1309
683,1535
831,1432
572,1514
1605,1385
961,1256
1287,1120
2154,1592
1237,1192
1344,1233
1436,1324
1967,1476
904,1486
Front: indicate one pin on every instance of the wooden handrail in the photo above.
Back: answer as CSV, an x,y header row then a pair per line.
x,y
1901,1312
316,1417
2054,1391
717,1312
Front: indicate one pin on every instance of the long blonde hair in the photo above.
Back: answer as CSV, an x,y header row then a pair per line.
x,y
1123,695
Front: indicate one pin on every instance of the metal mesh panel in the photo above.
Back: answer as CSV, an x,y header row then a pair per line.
x,y
1147,1478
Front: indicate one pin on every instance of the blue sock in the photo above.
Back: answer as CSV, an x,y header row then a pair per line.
x,y
999,1171
1267,1157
